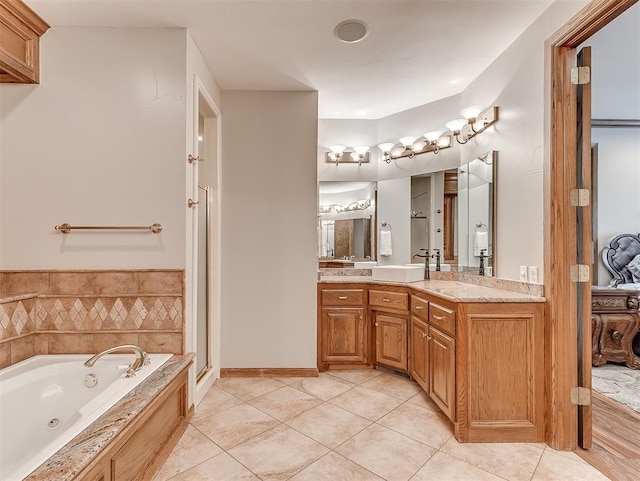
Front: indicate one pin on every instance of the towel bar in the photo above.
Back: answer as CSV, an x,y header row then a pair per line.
x,y
66,228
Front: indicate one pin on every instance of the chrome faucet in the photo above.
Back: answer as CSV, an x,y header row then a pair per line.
x,y
142,358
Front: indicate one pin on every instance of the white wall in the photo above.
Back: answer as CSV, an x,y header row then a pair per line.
x,y
515,83
99,142
269,229
615,58
394,207
618,186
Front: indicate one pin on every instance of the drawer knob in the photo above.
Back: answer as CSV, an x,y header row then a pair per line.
x,y
384,299
342,298
376,324
616,335
424,334
437,317
418,307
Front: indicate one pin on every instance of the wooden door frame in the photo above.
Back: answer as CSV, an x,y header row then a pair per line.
x,y
561,352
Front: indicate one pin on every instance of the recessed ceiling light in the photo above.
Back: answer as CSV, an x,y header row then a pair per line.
x,y
351,31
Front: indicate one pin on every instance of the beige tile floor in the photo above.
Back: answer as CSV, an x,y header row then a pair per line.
x,y
345,426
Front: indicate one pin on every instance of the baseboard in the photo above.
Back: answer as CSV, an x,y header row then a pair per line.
x,y
268,372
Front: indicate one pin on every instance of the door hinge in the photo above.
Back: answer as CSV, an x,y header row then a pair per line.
x,y
580,75
580,273
580,197
580,396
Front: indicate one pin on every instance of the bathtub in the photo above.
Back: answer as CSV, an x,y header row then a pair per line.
x,y
45,401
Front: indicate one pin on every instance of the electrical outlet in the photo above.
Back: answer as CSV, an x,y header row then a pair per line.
x,y
533,274
523,274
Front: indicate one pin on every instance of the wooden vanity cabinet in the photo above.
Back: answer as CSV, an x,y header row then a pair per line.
x,y
389,309
20,32
343,336
391,340
482,363
433,361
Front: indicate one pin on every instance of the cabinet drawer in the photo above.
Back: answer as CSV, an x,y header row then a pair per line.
x,y
386,299
419,307
442,318
342,297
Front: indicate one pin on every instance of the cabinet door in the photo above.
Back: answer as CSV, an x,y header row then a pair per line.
x,y
419,354
391,341
343,335
442,371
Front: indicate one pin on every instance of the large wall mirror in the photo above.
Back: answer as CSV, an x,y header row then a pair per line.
x,y
451,210
347,219
477,214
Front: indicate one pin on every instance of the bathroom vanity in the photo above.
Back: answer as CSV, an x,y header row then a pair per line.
x,y
477,351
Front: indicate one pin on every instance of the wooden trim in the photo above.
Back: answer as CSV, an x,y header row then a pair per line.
x,y
588,21
268,372
26,15
559,221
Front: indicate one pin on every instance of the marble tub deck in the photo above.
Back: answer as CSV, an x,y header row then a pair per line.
x,y
345,426
80,451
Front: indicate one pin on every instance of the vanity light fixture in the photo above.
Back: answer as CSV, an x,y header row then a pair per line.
x,y
407,143
475,121
353,206
346,155
386,147
337,151
410,147
433,137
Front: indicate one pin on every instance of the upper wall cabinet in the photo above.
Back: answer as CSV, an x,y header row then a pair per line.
x,y
20,32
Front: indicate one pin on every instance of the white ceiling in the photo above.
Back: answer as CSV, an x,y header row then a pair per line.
x,y
417,51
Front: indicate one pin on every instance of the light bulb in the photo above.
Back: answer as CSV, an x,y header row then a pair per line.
x,y
456,125
386,147
361,149
337,149
407,141
433,136
472,112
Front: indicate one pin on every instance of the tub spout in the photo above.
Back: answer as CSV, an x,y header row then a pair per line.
x,y
142,359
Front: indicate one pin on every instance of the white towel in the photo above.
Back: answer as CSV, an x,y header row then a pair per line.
x,y
385,243
481,241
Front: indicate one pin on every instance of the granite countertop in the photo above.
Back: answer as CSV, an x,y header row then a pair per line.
x,y
455,291
13,297
80,451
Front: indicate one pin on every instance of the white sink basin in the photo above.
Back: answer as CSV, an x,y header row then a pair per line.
x,y
364,264
432,267
408,273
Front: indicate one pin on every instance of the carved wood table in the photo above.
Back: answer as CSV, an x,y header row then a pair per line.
x,y
614,322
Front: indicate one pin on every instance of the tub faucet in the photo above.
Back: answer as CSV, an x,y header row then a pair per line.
x,y
142,358
426,262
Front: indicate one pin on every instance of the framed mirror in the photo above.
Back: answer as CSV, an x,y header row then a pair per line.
x,y
346,221
477,214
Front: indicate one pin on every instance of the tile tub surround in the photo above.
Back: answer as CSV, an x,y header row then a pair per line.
x,y
407,439
74,312
81,450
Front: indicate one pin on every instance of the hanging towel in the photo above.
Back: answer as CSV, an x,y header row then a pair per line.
x,y
481,241
385,243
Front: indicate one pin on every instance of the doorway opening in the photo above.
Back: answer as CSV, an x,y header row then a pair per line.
x,y
569,232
